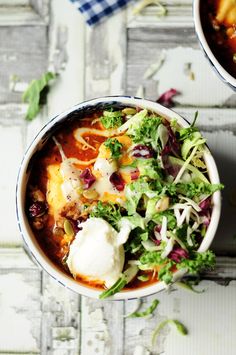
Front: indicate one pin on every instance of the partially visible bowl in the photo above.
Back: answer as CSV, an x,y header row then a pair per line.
x,y
224,75
38,142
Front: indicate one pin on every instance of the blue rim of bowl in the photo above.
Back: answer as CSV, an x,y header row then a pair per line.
x,y
81,106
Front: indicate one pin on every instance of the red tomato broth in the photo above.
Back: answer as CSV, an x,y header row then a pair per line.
x,y
53,246
222,44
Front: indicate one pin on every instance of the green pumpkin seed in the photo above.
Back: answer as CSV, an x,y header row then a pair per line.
x,y
129,111
90,194
68,228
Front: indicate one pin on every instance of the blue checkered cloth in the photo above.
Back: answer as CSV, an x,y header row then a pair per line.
x,y
95,11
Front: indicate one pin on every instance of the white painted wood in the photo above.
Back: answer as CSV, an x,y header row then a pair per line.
x,y
60,332
108,59
101,327
11,142
15,258
20,311
23,53
209,318
24,12
66,43
179,14
146,45
105,58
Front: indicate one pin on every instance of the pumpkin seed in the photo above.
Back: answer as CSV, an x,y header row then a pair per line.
x,y
129,111
162,204
68,228
90,194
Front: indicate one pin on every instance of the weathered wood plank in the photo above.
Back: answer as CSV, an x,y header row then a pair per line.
x,y
144,48
101,327
16,258
60,332
24,12
208,316
146,45
66,53
105,58
20,310
179,14
20,46
11,142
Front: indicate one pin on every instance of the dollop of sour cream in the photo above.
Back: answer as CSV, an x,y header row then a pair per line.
x,y
97,252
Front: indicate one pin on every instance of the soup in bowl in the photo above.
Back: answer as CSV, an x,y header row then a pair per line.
x,y
215,24
118,197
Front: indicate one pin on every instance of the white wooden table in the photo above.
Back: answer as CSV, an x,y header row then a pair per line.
x,y
38,316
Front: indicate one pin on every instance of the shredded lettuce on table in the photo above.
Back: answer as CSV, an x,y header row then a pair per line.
x,y
145,313
179,326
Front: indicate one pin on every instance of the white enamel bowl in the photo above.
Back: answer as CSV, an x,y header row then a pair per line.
x,y
47,131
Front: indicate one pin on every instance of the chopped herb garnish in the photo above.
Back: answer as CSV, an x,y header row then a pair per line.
x,y
186,132
145,132
115,147
108,211
143,278
124,279
111,119
117,287
197,262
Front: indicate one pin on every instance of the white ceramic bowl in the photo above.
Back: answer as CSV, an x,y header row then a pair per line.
x,y
222,73
38,142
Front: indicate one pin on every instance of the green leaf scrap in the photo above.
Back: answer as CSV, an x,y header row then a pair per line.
x,y
34,93
117,287
179,326
145,313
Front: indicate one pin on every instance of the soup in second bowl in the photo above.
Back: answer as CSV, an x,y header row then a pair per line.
x,y
219,25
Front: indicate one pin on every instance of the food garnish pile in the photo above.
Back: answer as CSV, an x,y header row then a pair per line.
x,y
121,199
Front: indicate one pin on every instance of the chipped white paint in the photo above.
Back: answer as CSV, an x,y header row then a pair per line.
x,y
209,318
108,59
205,90
11,142
95,329
15,258
105,58
17,299
24,12
67,43
61,319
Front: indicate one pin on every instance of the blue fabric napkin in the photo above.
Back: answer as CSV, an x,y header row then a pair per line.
x,y
96,10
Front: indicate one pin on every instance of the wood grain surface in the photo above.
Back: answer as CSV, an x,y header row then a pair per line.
x,y
38,315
